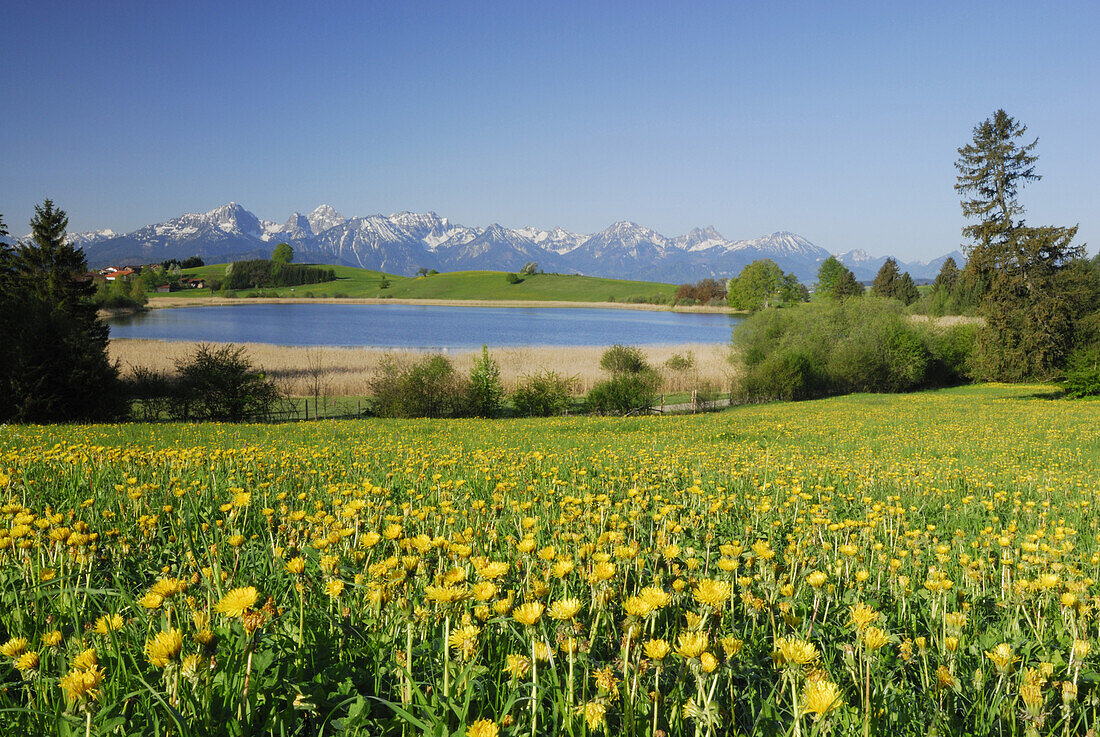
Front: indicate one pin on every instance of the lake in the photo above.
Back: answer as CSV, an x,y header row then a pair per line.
x,y
423,326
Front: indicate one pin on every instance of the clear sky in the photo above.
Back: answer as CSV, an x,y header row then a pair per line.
x,y
838,121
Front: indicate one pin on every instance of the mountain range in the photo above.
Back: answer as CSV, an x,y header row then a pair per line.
x,y
404,242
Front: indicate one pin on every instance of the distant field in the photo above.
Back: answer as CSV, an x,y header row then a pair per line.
x,y
463,285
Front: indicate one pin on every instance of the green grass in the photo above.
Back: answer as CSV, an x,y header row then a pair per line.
x,y
462,285
960,524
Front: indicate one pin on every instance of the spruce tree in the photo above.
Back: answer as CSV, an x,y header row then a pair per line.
x,y
906,289
948,276
1029,320
55,365
885,283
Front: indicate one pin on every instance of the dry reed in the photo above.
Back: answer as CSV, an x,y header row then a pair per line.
x,y
329,371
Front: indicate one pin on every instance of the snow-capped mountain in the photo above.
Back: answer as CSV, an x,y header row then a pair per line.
x,y
404,242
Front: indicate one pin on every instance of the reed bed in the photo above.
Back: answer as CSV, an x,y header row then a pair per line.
x,y
347,371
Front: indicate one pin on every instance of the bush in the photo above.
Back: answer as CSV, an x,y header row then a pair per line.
x,y
623,359
429,387
486,392
543,394
625,393
221,384
633,384
828,348
513,279
1083,372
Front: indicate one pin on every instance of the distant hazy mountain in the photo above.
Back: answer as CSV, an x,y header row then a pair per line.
x,y
865,266
403,242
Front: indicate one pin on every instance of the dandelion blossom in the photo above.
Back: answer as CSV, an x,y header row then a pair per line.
x,y
238,601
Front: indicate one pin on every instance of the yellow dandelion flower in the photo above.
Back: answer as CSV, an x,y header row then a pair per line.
x,y
637,607
944,679
168,587
874,638
518,666
529,613
691,644
296,565
594,715
713,593
238,601
14,647
151,600
796,652
85,660
819,697
483,728
107,624
82,684
52,638
1081,650
1002,657
656,596
708,662
334,588
27,661
731,645
860,615
656,649
564,609
163,647
816,579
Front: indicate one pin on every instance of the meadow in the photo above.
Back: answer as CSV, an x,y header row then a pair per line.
x,y
352,282
871,564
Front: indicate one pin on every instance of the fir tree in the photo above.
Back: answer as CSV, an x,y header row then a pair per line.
x,y
885,283
1029,320
55,365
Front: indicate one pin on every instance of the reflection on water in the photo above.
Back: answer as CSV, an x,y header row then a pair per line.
x,y
422,326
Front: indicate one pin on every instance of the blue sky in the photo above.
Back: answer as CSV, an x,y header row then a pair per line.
x,y
838,121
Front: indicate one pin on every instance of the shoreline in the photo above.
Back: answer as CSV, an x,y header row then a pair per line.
x,y
167,303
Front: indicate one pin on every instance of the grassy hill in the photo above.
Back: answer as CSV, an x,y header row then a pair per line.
x,y
470,285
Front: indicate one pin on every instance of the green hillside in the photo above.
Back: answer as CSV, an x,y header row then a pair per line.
x,y
352,282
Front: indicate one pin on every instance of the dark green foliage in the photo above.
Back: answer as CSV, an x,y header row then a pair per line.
x,y
633,385
192,263
283,254
625,393
486,392
703,292
384,282
948,276
680,361
840,347
889,283
543,394
1030,308
836,281
220,383
623,359
53,355
263,273
513,278
1083,372
763,284
429,387
120,295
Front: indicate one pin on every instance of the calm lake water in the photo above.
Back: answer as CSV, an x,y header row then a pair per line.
x,y
417,326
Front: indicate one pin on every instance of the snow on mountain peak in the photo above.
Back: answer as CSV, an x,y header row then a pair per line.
x,y
324,217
